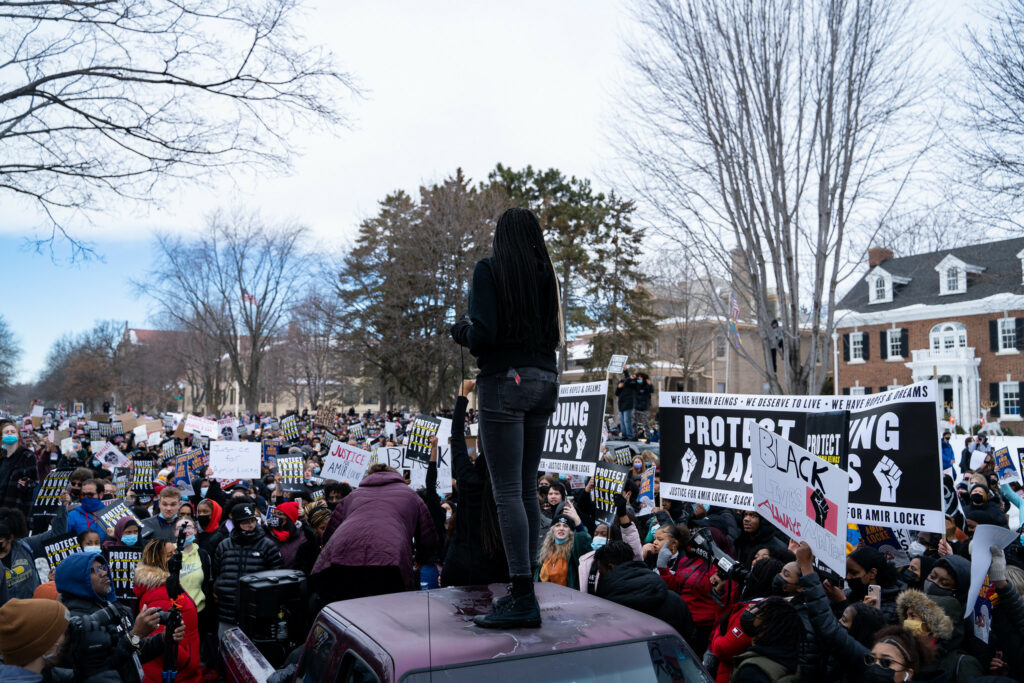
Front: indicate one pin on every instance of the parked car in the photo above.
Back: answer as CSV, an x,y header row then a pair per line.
x,y
423,636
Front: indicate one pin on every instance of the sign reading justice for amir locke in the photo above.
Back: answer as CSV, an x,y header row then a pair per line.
x,y
893,460
572,440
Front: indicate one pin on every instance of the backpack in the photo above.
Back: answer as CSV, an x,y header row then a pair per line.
x,y
770,667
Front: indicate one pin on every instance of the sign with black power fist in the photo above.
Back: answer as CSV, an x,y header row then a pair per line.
x,y
572,440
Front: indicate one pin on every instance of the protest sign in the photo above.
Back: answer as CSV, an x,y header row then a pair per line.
x,y
705,450
78,408
887,542
143,474
271,449
390,429
201,425
356,431
327,439
37,410
609,480
345,463
155,438
60,548
616,364
646,497
121,479
985,536
122,572
115,510
127,420
235,459
188,466
228,428
325,416
48,497
289,469
623,455
105,430
290,427
420,430
801,494
140,434
111,457
572,440
67,445
474,429
1004,466
116,429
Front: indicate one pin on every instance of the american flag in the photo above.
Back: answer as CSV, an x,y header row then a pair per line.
x,y
249,298
734,314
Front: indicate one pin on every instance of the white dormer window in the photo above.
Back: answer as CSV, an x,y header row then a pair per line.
x,y
953,274
881,283
881,291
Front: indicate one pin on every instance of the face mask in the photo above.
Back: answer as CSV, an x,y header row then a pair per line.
x,y
107,496
779,585
876,673
203,491
916,549
747,623
189,540
977,499
10,439
908,577
637,466
92,549
598,542
271,487
316,470
172,517
95,462
203,520
331,505
915,626
561,541
932,588
130,539
858,589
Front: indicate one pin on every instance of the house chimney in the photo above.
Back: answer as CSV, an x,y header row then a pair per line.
x,y
877,255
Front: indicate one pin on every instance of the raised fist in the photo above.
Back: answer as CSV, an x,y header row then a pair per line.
x,y
689,464
581,442
888,476
820,507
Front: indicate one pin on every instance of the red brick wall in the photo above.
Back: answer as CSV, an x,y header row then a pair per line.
x,y
877,372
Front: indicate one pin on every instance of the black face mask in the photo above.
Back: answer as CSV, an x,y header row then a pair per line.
x,y
910,578
332,505
747,623
203,520
977,500
876,673
779,585
935,590
858,589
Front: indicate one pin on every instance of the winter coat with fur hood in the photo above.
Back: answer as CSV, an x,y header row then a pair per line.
x,y
151,590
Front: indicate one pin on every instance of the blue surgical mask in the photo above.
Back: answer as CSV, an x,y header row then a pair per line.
x,y
560,541
92,549
203,491
10,439
598,542
95,462
130,539
171,518
190,540
637,466
316,470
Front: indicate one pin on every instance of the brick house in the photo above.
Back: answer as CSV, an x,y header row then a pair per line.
x,y
956,315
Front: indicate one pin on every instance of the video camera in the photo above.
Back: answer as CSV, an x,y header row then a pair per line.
x,y
702,545
92,637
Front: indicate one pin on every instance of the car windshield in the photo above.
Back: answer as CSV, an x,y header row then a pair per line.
x,y
657,661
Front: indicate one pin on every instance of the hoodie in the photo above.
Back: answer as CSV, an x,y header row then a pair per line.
x,y
74,579
960,568
635,586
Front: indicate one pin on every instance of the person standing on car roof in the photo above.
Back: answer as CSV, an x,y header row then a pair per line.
x,y
514,327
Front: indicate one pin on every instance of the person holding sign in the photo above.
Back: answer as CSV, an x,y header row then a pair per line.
x,y
513,329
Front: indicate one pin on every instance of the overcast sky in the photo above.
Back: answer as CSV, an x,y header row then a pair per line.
x,y
446,84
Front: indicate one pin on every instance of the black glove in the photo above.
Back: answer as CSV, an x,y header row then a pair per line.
x,y
459,329
620,506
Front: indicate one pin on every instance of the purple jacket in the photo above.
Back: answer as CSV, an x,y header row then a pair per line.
x,y
373,527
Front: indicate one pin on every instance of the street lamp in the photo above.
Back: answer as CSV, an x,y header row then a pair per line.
x,y
835,363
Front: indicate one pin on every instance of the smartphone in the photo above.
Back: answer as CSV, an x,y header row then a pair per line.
x,y
875,591
299,501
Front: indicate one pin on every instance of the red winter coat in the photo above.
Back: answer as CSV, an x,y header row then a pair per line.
x,y
373,527
726,646
151,589
692,580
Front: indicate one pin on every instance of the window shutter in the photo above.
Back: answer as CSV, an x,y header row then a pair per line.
x,y
905,343
882,389
867,390
846,348
883,344
846,391
1018,326
867,338
993,335
993,395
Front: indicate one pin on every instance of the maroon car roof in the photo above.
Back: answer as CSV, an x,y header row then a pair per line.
x,y
571,619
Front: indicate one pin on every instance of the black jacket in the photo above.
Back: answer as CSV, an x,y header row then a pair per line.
x,y
466,563
635,586
235,557
486,338
643,395
814,648
626,394
747,544
18,479
115,635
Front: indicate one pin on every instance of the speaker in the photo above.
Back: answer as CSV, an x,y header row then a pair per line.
x,y
272,611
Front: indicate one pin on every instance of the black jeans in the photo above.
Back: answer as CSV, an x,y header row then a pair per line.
x,y
514,411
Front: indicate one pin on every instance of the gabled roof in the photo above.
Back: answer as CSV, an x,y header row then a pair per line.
x,y
1001,274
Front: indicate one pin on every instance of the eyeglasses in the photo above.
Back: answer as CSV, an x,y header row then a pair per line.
x,y
89,495
884,662
100,570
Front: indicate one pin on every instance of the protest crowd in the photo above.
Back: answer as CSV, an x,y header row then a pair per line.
x,y
129,542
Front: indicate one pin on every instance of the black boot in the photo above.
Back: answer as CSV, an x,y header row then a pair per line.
x,y
519,609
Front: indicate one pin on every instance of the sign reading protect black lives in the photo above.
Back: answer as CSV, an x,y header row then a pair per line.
x,y
893,456
572,440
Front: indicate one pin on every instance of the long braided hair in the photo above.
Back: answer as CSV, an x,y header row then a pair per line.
x,y
525,282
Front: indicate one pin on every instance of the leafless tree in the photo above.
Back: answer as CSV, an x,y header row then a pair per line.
x,y
773,128
10,352
233,284
103,99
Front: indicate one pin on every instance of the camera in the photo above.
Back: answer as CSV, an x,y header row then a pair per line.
x,y
165,617
98,620
703,546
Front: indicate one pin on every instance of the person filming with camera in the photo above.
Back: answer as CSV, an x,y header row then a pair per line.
x,y
102,635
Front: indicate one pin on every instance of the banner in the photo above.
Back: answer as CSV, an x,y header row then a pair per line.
x,y
609,480
289,469
201,425
346,463
705,450
801,494
327,439
645,500
61,547
114,511
48,496
420,430
397,458
122,572
236,459
572,442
